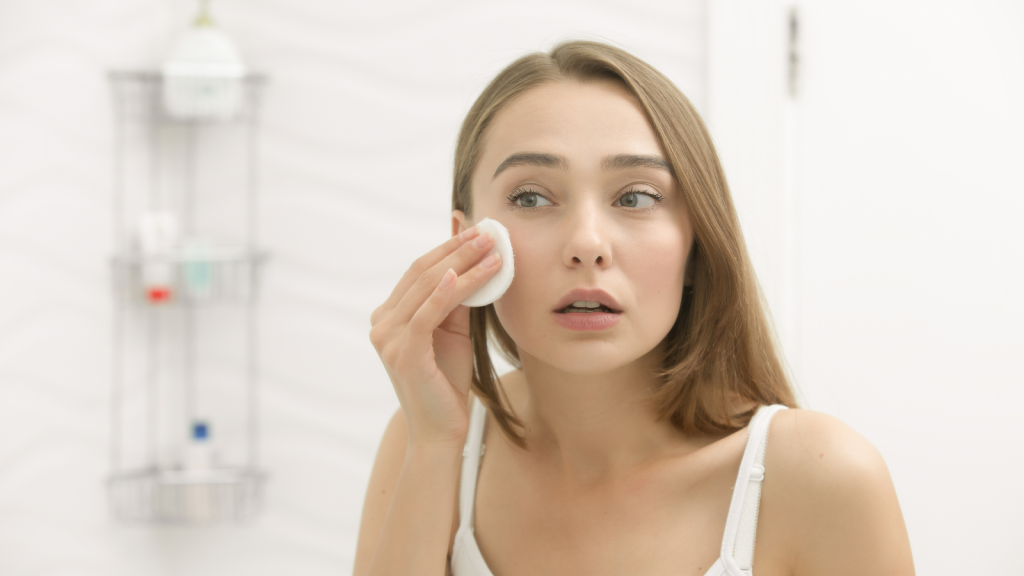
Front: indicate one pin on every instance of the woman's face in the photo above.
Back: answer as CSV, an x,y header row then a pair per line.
x,y
576,174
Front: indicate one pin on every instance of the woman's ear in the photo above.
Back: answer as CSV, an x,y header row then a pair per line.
x,y
459,222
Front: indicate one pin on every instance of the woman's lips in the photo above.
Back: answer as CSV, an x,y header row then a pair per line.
x,y
588,295
587,320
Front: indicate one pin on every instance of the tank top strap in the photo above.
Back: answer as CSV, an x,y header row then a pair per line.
x,y
471,455
741,523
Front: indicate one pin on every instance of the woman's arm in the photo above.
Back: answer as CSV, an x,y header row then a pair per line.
x,y
410,498
840,505
421,333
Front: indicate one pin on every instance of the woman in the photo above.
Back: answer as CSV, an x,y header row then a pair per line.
x,y
620,444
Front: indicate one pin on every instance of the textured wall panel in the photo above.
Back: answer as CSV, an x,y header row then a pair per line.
x,y
358,131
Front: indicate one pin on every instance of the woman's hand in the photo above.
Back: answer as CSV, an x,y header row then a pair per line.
x,y
421,333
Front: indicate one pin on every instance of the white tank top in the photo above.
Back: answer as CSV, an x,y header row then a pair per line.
x,y
737,553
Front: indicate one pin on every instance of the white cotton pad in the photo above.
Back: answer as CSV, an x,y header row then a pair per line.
x,y
502,279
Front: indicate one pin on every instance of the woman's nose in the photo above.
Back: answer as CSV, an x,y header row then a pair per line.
x,y
588,242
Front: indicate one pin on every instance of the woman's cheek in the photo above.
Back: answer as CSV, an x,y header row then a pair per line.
x,y
521,306
658,280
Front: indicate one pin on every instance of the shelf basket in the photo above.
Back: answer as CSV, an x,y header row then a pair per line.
x,y
186,496
140,94
218,275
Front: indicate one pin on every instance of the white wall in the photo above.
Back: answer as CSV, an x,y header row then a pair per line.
x,y
359,125
883,207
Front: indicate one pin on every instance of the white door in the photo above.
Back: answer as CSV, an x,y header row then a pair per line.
x,y
882,197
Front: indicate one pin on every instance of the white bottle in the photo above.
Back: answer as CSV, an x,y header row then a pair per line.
x,y
158,239
199,453
199,457
203,75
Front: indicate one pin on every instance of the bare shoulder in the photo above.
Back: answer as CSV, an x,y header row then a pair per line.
x,y
821,452
828,489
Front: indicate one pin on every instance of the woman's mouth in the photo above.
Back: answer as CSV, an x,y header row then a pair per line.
x,y
585,307
585,315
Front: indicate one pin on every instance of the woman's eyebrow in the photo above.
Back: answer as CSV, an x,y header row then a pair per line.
x,y
621,161
532,159
617,162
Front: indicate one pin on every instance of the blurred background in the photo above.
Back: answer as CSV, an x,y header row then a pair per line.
x,y
874,150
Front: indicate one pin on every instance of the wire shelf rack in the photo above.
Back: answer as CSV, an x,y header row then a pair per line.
x,y
140,95
227,274
186,235
186,496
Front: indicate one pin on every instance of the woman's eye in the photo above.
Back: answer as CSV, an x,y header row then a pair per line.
x,y
636,200
531,200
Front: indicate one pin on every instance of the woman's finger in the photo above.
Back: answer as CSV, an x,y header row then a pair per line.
x,y
473,279
465,284
461,260
422,265
430,315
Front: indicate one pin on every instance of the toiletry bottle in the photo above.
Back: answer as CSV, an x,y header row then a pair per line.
x,y
199,454
199,457
202,78
158,238
197,268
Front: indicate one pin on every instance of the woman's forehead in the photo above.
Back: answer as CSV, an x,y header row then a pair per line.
x,y
581,122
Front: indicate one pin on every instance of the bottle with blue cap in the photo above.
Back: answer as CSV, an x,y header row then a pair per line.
x,y
200,454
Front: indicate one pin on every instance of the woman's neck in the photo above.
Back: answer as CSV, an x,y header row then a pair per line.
x,y
593,428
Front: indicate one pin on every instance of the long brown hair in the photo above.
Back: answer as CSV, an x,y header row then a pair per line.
x,y
720,353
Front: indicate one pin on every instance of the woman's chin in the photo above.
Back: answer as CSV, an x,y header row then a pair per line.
x,y
586,358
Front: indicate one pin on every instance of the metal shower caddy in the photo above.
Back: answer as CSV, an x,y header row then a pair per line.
x,y
185,371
